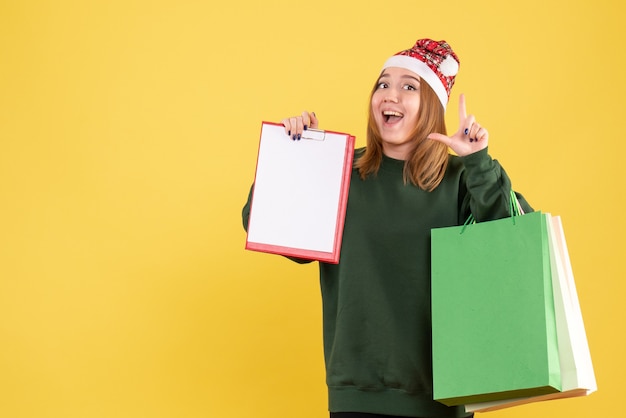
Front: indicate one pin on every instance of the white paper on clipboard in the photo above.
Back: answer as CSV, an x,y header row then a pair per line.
x,y
300,193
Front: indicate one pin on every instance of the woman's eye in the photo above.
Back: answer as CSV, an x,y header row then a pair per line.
x,y
410,87
382,85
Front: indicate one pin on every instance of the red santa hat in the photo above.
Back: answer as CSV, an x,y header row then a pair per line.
x,y
433,61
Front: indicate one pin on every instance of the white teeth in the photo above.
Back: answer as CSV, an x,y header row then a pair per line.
x,y
392,113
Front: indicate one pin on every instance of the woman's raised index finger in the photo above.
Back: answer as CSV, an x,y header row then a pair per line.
x,y
462,108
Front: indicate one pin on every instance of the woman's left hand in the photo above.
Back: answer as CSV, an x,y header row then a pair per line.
x,y
470,138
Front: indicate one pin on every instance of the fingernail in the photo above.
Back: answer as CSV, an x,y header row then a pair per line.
x,y
466,131
289,133
299,136
306,127
471,139
294,137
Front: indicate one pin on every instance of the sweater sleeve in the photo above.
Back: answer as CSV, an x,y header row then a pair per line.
x,y
245,212
487,189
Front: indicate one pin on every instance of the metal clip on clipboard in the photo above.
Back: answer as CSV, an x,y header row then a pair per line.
x,y
314,134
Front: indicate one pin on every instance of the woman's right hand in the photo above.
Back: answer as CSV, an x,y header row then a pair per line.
x,y
295,125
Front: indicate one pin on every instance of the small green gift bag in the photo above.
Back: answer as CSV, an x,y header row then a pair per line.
x,y
493,316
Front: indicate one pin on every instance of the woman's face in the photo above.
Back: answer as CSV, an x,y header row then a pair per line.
x,y
395,103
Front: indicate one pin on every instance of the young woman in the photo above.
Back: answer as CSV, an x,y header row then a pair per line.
x,y
376,301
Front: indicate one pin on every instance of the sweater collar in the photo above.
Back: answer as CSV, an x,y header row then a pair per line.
x,y
391,164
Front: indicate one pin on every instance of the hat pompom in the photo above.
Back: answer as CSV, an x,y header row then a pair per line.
x,y
449,66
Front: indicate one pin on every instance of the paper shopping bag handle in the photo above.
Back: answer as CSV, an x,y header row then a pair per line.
x,y
515,209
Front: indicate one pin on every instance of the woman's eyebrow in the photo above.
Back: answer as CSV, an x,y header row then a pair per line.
x,y
403,76
411,77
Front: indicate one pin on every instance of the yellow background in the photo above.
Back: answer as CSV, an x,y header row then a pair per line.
x,y
128,140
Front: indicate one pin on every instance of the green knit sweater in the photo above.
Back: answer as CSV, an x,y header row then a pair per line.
x,y
376,301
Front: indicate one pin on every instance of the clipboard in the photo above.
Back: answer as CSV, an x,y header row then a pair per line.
x,y
300,193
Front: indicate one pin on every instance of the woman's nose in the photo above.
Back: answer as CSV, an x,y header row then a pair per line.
x,y
391,98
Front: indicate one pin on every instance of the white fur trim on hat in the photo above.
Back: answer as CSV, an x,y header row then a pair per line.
x,y
424,71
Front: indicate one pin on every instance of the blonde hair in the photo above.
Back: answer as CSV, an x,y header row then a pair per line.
x,y
427,160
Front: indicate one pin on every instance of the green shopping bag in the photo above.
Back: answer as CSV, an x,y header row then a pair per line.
x,y
577,374
493,321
